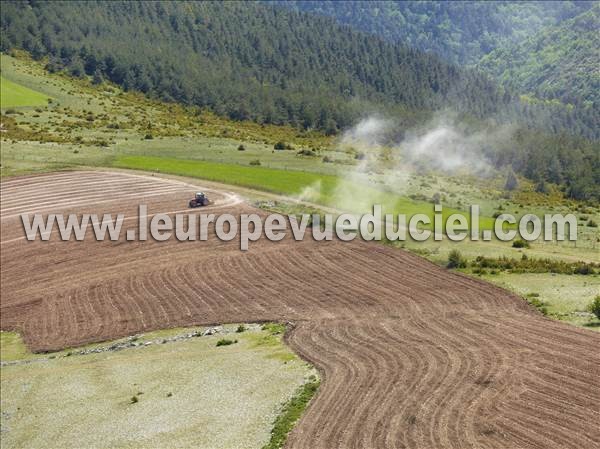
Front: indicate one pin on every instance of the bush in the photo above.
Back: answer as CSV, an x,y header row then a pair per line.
x,y
134,399
241,148
274,328
306,152
584,268
226,342
279,145
241,328
595,306
255,162
538,304
148,136
455,260
592,224
520,244
327,159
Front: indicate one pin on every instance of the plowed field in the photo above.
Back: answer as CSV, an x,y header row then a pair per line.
x,y
411,355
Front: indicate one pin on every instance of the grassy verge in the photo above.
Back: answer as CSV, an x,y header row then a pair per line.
x,y
562,296
323,189
290,413
15,95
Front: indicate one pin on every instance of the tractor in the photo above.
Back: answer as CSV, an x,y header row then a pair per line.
x,y
199,200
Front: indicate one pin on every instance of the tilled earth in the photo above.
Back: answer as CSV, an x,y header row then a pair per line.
x,y
412,356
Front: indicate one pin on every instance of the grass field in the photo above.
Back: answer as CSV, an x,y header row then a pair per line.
x,y
322,189
14,95
566,297
189,393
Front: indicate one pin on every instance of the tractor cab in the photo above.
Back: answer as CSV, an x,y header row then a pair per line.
x,y
199,200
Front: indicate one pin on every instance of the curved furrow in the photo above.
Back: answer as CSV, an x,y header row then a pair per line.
x,y
376,377
337,371
178,305
411,355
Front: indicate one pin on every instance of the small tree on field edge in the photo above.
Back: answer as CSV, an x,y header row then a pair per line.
x,y
455,260
595,306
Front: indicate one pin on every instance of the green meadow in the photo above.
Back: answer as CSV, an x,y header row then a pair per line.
x,y
327,190
15,95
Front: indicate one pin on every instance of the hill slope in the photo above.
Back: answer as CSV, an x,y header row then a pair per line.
x,y
245,60
254,61
460,32
545,48
559,62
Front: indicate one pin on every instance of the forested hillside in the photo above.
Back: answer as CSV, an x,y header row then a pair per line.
x,y
559,62
255,61
461,32
248,61
549,49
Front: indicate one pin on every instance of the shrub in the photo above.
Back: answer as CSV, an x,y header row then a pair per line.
x,y
592,224
455,260
134,399
241,148
306,152
520,244
274,328
584,269
279,145
226,342
241,328
595,306
148,136
327,159
255,162
538,304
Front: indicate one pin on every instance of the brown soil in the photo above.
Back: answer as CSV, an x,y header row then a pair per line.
x,y
412,355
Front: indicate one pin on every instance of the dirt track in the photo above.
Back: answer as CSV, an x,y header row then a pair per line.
x,y
412,355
